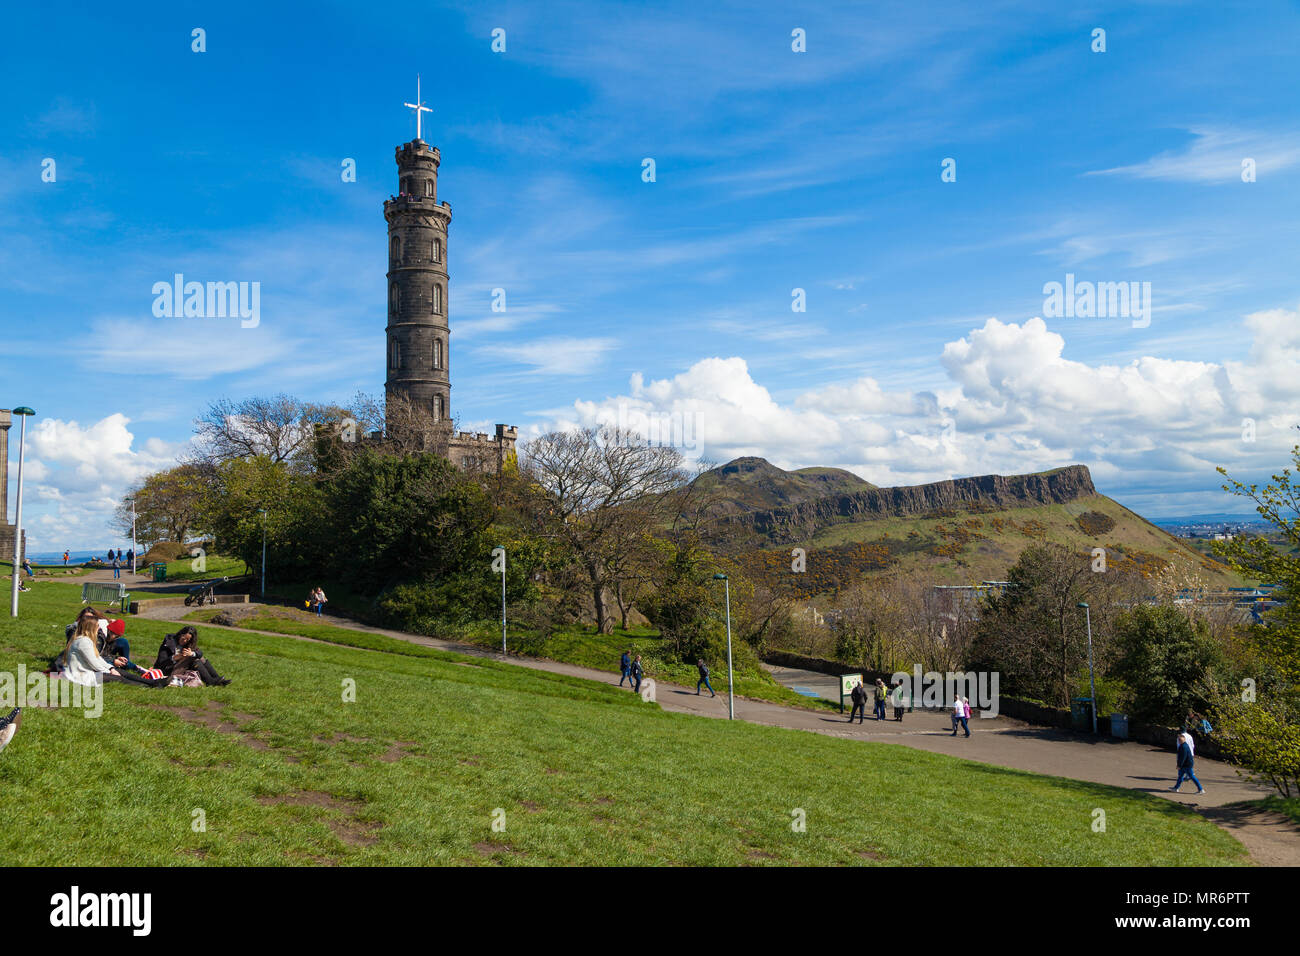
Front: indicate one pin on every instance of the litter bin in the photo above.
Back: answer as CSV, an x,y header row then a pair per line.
x,y
159,571
1119,726
1081,713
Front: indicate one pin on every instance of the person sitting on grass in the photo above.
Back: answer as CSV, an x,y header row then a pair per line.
x,y
84,665
115,648
180,657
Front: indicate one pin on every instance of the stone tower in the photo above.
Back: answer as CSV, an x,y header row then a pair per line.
x,y
6,529
418,356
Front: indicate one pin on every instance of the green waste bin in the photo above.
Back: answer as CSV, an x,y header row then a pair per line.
x,y
1081,713
1119,726
159,571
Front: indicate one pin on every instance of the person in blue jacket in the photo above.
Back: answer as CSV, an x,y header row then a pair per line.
x,y
1186,765
625,667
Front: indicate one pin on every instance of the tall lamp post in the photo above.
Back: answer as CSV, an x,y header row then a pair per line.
x,y
134,547
731,697
262,511
500,552
1092,683
22,412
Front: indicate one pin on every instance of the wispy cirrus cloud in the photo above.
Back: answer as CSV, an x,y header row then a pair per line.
x,y
1215,155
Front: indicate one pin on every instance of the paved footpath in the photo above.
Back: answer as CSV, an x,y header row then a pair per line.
x,y
1271,839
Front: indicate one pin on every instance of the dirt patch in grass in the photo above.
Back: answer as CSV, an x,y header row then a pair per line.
x,y
869,854
398,750
349,827
212,714
339,738
494,851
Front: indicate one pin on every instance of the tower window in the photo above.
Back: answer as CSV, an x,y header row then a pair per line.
x,y
428,187
435,250
439,409
395,249
437,299
437,353
394,354
394,299
405,186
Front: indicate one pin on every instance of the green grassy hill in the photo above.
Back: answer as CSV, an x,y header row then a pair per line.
x,y
754,484
972,539
436,747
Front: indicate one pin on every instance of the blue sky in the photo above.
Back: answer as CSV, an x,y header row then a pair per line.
x,y
923,353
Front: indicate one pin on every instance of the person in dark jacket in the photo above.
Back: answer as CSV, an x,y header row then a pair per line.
x,y
625,667
859,696
182,649
1186,765
880,694
638,672
703,668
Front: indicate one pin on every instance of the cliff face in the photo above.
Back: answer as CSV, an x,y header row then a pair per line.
x,y
800,520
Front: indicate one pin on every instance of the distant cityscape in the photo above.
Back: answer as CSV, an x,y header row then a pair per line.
x,y
1214,527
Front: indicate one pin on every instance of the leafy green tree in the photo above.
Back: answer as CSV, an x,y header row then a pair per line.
x,y
686,603
394,519
1258,720
1034,633
245,497
167,506
1164,659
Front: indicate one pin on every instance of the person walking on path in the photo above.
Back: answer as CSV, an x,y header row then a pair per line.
x,y
1186,764
65,558
117,568
898,701
960,714
625,667
881,693
638,672
859,696
704,677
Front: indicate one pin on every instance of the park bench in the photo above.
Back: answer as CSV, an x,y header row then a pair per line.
x,y
105,594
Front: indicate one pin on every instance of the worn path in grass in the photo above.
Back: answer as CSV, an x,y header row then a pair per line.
x,y
1270,838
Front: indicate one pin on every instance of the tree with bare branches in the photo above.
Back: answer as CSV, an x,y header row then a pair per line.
x,y
599,491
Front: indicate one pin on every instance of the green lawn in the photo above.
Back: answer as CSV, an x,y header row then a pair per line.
x,y
411,773
214,566
579,646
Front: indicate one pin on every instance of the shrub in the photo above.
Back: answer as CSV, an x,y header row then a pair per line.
x,y
1095,523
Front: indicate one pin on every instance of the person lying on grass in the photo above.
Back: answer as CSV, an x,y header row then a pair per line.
x,y
180,657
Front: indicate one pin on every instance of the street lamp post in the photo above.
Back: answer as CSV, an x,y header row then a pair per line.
x,y
263,513
1092,684
22,412
500,552
135,548
731,697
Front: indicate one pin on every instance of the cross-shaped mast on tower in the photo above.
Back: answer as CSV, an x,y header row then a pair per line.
x,y
419,108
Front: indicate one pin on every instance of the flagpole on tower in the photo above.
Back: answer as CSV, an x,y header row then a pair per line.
x,y
419,108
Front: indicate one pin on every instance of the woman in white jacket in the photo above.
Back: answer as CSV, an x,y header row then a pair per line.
x,y
81,660
83,663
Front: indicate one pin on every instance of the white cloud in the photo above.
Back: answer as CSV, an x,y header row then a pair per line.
x,y
557,356
74,477
1215,155
1013,403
